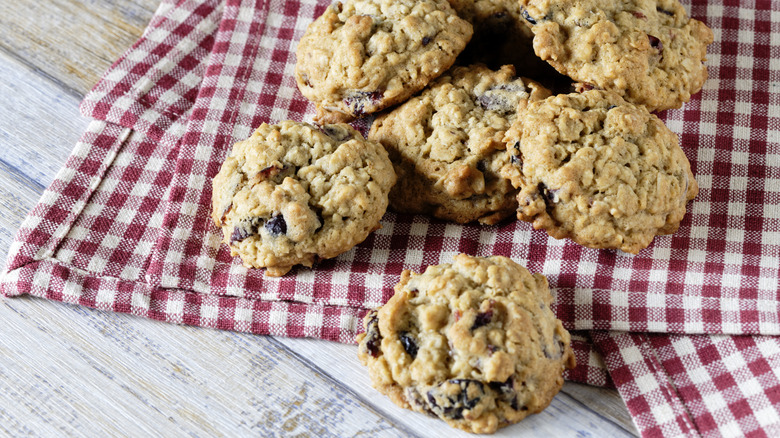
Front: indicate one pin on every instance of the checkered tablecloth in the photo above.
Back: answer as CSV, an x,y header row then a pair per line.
x,y
687,330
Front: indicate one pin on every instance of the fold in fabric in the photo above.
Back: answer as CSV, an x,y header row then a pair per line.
x,y
125,226
700,385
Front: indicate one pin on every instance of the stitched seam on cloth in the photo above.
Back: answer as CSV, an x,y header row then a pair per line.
x,y
669,388
52,199
242,79
133,108
90,274
639,393
103,86
590,367
53,196
258,317
94,184
722,376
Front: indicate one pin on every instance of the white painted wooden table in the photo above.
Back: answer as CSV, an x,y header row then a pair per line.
x,y
71,371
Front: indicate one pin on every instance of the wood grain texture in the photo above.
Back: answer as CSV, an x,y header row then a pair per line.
x,y
71,371
18,195
605,403
68,371
72,41
39,124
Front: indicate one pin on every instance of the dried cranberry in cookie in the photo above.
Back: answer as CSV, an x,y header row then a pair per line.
x,y
294,193
473,343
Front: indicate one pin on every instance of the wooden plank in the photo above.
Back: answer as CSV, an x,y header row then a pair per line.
x,y
39,122
18,195
70,371
72,41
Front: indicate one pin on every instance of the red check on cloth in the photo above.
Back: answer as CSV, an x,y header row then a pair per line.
x,y
688,331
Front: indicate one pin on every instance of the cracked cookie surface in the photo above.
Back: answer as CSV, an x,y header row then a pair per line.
x,y
599,170
650,52
361,56
447,144
474,343
293,193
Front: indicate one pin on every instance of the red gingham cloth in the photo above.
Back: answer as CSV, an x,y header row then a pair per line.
x,y
687,330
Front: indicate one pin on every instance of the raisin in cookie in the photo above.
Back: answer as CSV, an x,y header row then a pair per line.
x,y
293,193
599,170
647,51
361,56
473,343
447,144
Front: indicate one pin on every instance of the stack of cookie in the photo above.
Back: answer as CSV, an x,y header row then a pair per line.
x,y
475,142
458,135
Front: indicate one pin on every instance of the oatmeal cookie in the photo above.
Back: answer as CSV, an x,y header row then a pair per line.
x,y
599,170
650,52
361,56
294,193
473,343
447,144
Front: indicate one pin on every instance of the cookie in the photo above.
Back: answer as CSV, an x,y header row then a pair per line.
x,y
447,144
294,193
599,170
647,51
473,343
361,56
